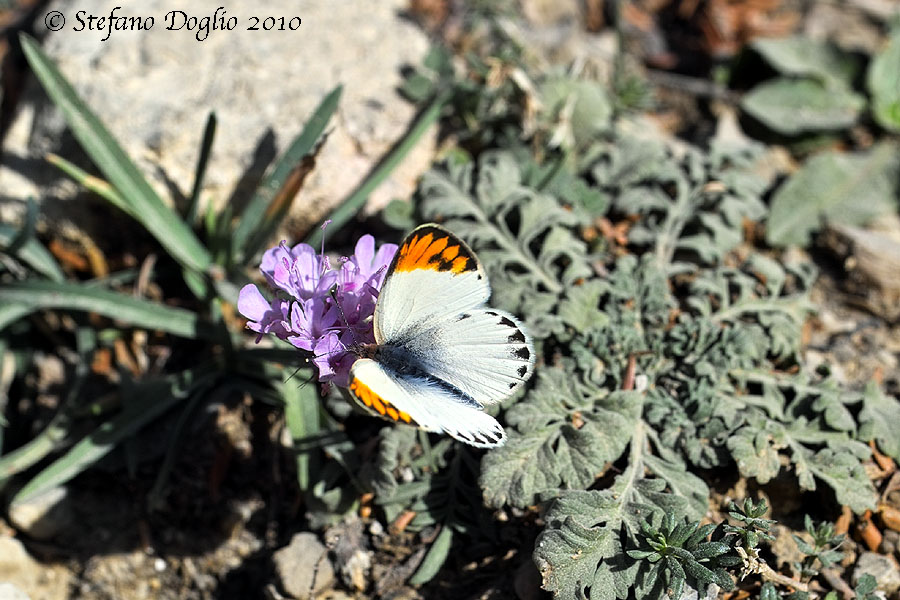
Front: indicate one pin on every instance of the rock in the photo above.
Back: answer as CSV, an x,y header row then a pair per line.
x,y
890,542
33,579
872,261
43,516
303,566
154,90
883,568
10,592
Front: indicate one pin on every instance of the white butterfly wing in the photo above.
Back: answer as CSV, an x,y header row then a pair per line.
x,y
485,353
434,276
422,403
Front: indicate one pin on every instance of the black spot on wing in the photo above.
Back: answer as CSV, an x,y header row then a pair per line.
x,y
522,370
513,384
523,353
518,336
463,316
507,321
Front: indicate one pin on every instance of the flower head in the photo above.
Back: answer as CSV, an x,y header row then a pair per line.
x,y
319,309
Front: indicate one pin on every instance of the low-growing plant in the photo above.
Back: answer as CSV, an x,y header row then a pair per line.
x,y
667,349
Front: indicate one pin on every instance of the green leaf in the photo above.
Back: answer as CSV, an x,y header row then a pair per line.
x,y
143,203
581,107
258,221
435,559
39,295
147,401
847,477
791,106
209,134
799,55
844,188
579,309
883,80
31,252
564,435
301,413
94,184
878,419
581,548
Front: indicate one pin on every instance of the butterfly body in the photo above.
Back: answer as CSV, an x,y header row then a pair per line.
x,y
441,354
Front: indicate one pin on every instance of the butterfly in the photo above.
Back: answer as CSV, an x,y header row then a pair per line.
x,y
440,353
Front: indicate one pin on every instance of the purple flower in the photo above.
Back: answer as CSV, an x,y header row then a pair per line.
x,y
318,309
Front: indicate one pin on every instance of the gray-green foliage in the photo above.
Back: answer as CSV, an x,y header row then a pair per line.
x,y
814,91
711,325
883,79
834,187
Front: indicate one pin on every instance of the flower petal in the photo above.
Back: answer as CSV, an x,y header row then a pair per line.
x,y
252,304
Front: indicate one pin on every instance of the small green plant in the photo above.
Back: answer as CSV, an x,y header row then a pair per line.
x,y
752,528
822,553
680,553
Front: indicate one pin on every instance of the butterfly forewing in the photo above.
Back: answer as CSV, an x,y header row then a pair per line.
x,y
434,276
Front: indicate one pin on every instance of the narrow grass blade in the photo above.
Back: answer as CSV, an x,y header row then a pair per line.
x,y
435,559
35,450
209,134
26,231
301,413
253,216
12,312
91,183
145,205
149,399
31,252
357,199
282,201
38,295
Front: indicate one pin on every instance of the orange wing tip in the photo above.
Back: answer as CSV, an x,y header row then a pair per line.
x,y
378,404
431,252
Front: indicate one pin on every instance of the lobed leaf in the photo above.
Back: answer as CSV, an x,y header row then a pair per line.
x,y
843,188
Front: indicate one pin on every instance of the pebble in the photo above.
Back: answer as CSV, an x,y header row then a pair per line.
x,y
883,568
303,566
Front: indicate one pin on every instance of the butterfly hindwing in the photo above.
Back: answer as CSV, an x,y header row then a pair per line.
x,y
483,352
420,402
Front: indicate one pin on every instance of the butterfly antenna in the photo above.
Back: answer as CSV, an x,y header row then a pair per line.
x,y
294,374
344,320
